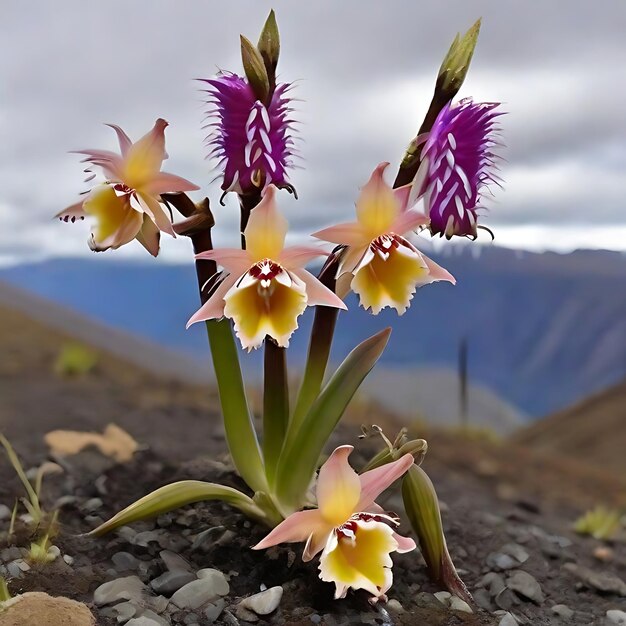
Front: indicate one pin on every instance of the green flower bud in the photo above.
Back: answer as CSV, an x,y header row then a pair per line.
x,y
454,68
269,46
254,67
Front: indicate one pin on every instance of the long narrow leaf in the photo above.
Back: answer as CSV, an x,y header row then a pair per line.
x,y
305,441
176,495
240,434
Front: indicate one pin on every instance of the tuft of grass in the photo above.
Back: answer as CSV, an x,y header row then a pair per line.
x,y
4,591
601,523
74,360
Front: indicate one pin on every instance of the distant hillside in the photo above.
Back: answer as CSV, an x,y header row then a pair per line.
x,y
544,330
593,431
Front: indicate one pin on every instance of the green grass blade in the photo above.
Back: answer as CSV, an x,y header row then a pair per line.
x,y
306,441
174,496
19,470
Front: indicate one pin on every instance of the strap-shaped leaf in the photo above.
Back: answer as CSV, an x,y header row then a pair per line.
x,y
176,495
305,442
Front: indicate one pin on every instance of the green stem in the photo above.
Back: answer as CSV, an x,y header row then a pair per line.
x,y
240,434
320,344
275,405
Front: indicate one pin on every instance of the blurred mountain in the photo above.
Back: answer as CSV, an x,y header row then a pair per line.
x,y
593,431
543,330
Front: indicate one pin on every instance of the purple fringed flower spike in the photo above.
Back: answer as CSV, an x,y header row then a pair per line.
x,y
457,164
251,140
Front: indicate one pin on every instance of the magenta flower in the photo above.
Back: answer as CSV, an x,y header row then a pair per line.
x,y
251,140
457,165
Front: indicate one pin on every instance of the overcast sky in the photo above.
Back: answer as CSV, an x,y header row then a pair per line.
x,y
366,70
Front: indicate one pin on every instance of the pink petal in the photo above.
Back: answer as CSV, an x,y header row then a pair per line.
x,y
405,544
233,260
122,138
402,194
213,308
149,151
297,527
318,294
437,272
374,482
111,163
149,236
169,183
266,229
408,221
349,234
298,256
72,213
154,209
338,487
316,543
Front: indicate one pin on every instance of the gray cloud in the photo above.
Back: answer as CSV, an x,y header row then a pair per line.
x,y
365,71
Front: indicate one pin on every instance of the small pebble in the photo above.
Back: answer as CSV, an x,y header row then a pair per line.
x,y
443,597
129,588
616,617
174,562
92,505
508,620
124,561
210,585
562,611
5,512
148,618
525,585
456,604
263,603
395,606
169,582
214,610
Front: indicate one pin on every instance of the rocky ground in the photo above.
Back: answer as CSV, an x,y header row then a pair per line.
x,y
508,514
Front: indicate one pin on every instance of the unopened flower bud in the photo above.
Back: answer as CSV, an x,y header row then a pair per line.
x,y
254,68
457,61
269,46
422,508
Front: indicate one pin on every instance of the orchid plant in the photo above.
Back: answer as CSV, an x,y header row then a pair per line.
x,y
256,293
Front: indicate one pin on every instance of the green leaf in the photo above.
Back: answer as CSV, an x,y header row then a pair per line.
x,y
176,495
240,434
254,67
305,441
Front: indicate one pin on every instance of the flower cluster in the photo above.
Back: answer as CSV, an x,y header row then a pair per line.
x,y
259,291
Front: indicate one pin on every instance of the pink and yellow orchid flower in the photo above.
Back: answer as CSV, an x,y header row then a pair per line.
x,y
353,533
383,267
266,287
127,205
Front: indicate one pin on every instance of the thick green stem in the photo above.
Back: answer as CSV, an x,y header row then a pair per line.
x,y
320,344
240,434
275,405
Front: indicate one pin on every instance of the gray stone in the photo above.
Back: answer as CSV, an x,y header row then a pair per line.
x,y
125,610
394,606
10,554
229,619
174,562
563,611
494,583
214,610
601,581
124,561
616,617
497,560
443,597
5,512
508,620
262,603
148,618
483,599
210,585
456,604
146,537
516,551
525,585
128,588
169,582
92,505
